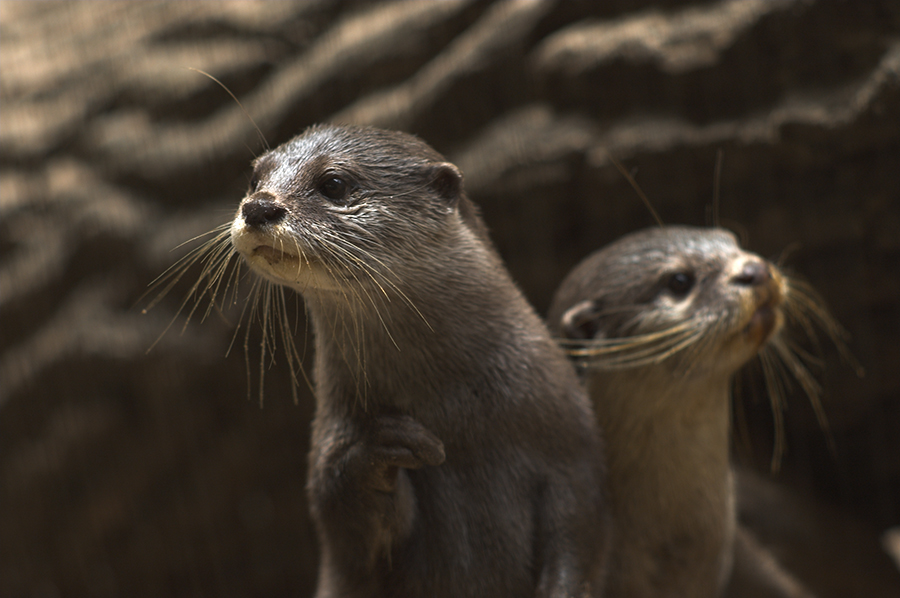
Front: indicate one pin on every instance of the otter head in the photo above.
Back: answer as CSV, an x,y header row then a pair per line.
x,y
339,207
687,297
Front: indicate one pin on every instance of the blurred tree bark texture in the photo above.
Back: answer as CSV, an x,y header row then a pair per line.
x,y
128,472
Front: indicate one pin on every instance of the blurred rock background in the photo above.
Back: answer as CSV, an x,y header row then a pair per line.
x,y
124,472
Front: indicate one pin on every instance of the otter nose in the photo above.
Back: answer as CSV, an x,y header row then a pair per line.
x,y
753,274
262,209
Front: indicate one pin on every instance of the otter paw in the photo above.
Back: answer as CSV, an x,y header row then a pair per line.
x,y
388,444
401,441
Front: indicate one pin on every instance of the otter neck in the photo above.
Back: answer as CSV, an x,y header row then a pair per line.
x,y
669,476
395,346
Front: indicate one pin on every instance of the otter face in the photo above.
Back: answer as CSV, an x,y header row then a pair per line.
x,y
673,293
322,207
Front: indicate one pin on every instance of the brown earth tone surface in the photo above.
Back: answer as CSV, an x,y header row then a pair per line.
x,y
127,473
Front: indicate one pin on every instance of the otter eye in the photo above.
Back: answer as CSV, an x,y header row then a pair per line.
x,y
334,188
680,283
254,183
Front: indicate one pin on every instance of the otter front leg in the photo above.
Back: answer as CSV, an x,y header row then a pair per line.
x,y
360,496
388,443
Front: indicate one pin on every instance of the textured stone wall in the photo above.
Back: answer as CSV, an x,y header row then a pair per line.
x,y
124,472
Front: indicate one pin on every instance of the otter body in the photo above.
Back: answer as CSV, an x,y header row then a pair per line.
x,y
454,452
660,321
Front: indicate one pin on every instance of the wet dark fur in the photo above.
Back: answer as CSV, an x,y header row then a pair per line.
x,y
454,451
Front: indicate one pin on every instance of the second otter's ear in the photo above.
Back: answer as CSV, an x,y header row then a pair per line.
x,y
446,180
581,321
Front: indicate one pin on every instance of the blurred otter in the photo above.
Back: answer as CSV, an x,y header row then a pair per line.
x,y
660,321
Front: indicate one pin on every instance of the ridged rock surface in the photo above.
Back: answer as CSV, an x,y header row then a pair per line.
x,y
128,472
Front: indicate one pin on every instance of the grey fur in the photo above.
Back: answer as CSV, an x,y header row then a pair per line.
x,y
454,452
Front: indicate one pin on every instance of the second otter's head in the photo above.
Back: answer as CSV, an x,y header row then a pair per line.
x,y
682,296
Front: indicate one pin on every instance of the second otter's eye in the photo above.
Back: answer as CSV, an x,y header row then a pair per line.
x,y
334,188
254,183
680,283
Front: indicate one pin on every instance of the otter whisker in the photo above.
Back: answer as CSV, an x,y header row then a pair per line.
x,y
710,332
637,339
337,273
366,269
357,255
272,308
743,439
294,359
357,289
617,361
792,357
688,341
217,277
803,307
358,330
776,380
209,255
364,263
259,287
252,305
184,263
806,307
357,260
287,339
222,230
635,361
602,346
214,263
278,322
640,192
365,235
233,284
634,352
174,272
264,342
254,291
234,97
210,252
611,344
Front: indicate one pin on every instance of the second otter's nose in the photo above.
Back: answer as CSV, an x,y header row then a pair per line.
x,y
753,273
262,210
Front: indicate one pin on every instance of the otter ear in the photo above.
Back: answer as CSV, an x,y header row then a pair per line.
x,y
446,180
581,321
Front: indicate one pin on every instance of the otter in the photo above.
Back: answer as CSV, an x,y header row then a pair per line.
x,y
454,451
659,322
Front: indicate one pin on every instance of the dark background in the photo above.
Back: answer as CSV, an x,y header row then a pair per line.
x,y
124,472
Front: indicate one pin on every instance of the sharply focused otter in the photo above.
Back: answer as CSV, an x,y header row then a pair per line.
x,y
660,321
454,451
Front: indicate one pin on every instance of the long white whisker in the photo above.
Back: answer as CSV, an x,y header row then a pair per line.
x,y
805,306
632,352
367,270
362,261
775,389
793,360
612,345
210,251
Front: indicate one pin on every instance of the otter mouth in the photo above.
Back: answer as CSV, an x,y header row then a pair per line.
x,y
275,256
764,322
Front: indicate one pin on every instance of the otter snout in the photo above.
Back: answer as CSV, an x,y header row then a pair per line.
x,y
261,209
753,273
763,302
